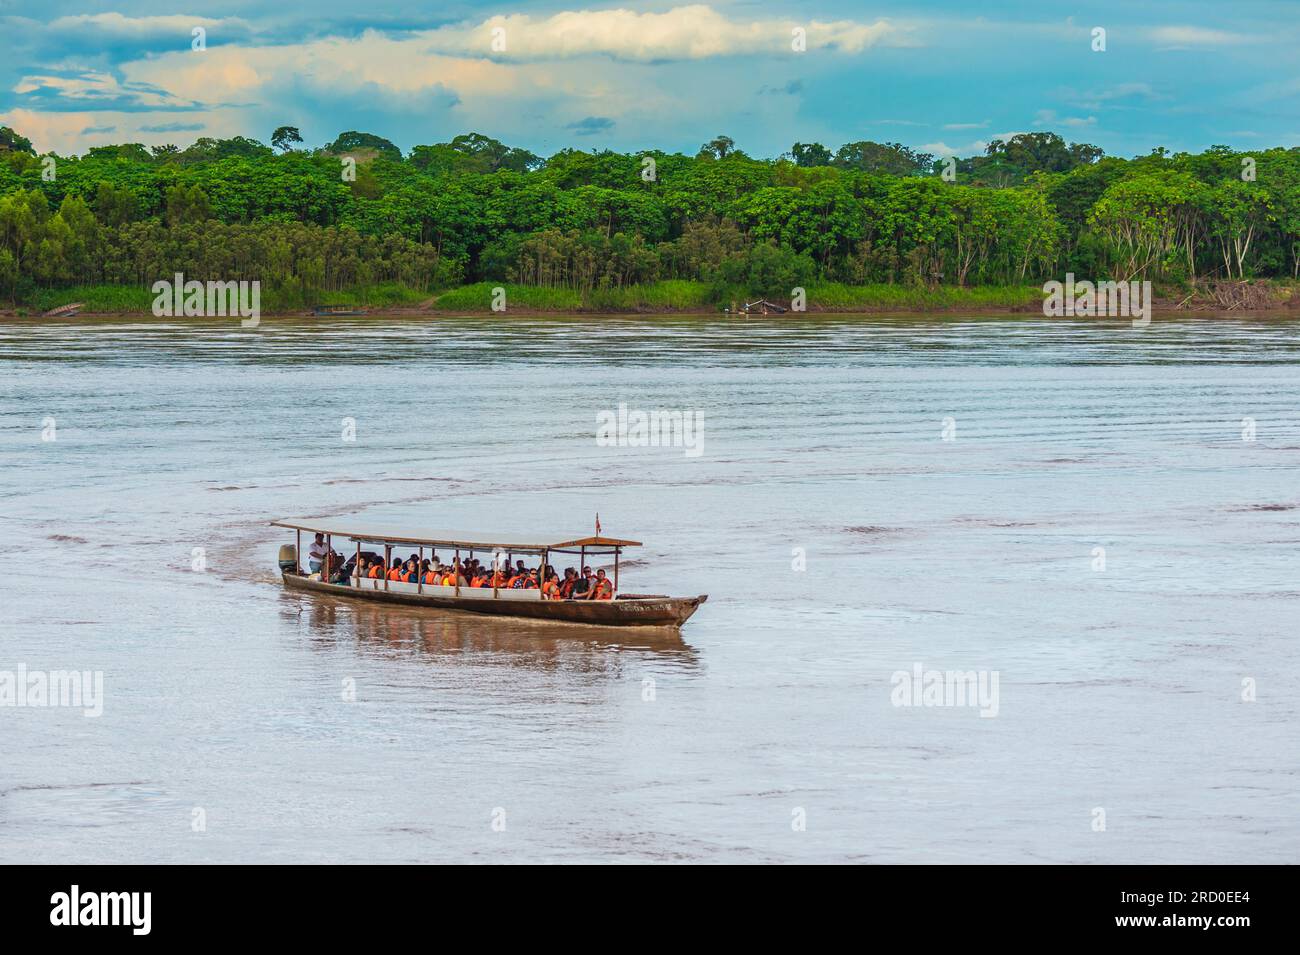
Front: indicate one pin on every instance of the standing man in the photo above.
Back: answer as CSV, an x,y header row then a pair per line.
x,y
316,554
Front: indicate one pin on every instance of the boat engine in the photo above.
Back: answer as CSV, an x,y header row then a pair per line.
x,y
288,558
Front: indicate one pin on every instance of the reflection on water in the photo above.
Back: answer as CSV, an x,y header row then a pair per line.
x,y
840,536
398,631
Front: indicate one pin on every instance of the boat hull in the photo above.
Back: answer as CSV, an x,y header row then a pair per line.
x,y
623,612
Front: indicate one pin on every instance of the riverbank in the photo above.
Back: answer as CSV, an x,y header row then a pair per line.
x,y
674,297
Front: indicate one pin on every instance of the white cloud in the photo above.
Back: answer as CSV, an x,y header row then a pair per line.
x,y
1185,36
1047,117
682,33
92,85
120,24
940,149
75,132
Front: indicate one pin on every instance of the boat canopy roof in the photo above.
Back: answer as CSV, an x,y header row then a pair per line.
x,y
375,534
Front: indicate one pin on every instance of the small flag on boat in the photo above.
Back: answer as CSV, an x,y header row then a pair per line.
x,y
598,523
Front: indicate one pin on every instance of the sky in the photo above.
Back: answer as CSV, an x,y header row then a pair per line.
x,y
942,76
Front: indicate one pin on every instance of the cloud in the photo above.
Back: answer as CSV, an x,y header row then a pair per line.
x,y
602,65
1112,96
115,28
955,126
591,125
172,128
939,149
72,132
1047,117
94,89
1182,37
682,33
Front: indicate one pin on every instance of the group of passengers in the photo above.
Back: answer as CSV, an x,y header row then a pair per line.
x,y
471,573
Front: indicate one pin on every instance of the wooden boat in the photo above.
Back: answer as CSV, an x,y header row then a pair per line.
x,y
65,311
624,610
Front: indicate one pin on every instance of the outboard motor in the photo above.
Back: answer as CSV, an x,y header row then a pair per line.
x,y
288,559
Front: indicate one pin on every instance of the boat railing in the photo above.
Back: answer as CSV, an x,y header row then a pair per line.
x,y
442,590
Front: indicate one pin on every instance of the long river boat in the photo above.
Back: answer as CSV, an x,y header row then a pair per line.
x,y
622,610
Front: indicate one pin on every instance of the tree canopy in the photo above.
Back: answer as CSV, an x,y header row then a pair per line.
x,y
474,208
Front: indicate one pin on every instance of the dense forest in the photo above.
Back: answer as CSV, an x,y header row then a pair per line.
x,y
358,214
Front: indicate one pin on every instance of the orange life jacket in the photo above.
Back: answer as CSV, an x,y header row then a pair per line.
x,y
376,572
604,590
430,577
394,574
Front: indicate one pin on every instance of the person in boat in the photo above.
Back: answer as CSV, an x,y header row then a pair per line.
x,y
602,588
566,585
582,585
316,554
551,588
344,573
395,572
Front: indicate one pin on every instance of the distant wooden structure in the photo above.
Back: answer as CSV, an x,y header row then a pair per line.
x,y
338,310
65,311
764,307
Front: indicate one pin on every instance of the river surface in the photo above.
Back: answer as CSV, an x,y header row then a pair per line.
x,y
1104,520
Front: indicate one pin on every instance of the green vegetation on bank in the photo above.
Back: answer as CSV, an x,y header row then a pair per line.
x,y
671,295
682,295
139,299
358,222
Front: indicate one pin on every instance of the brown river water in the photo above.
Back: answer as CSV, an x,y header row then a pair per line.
x,y
1100,522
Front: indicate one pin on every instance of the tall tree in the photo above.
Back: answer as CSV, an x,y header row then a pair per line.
x,y
810,154
286,138
719,147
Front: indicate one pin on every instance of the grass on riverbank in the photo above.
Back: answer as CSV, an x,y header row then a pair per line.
x,y
133,299
682,295
837,296
671,296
